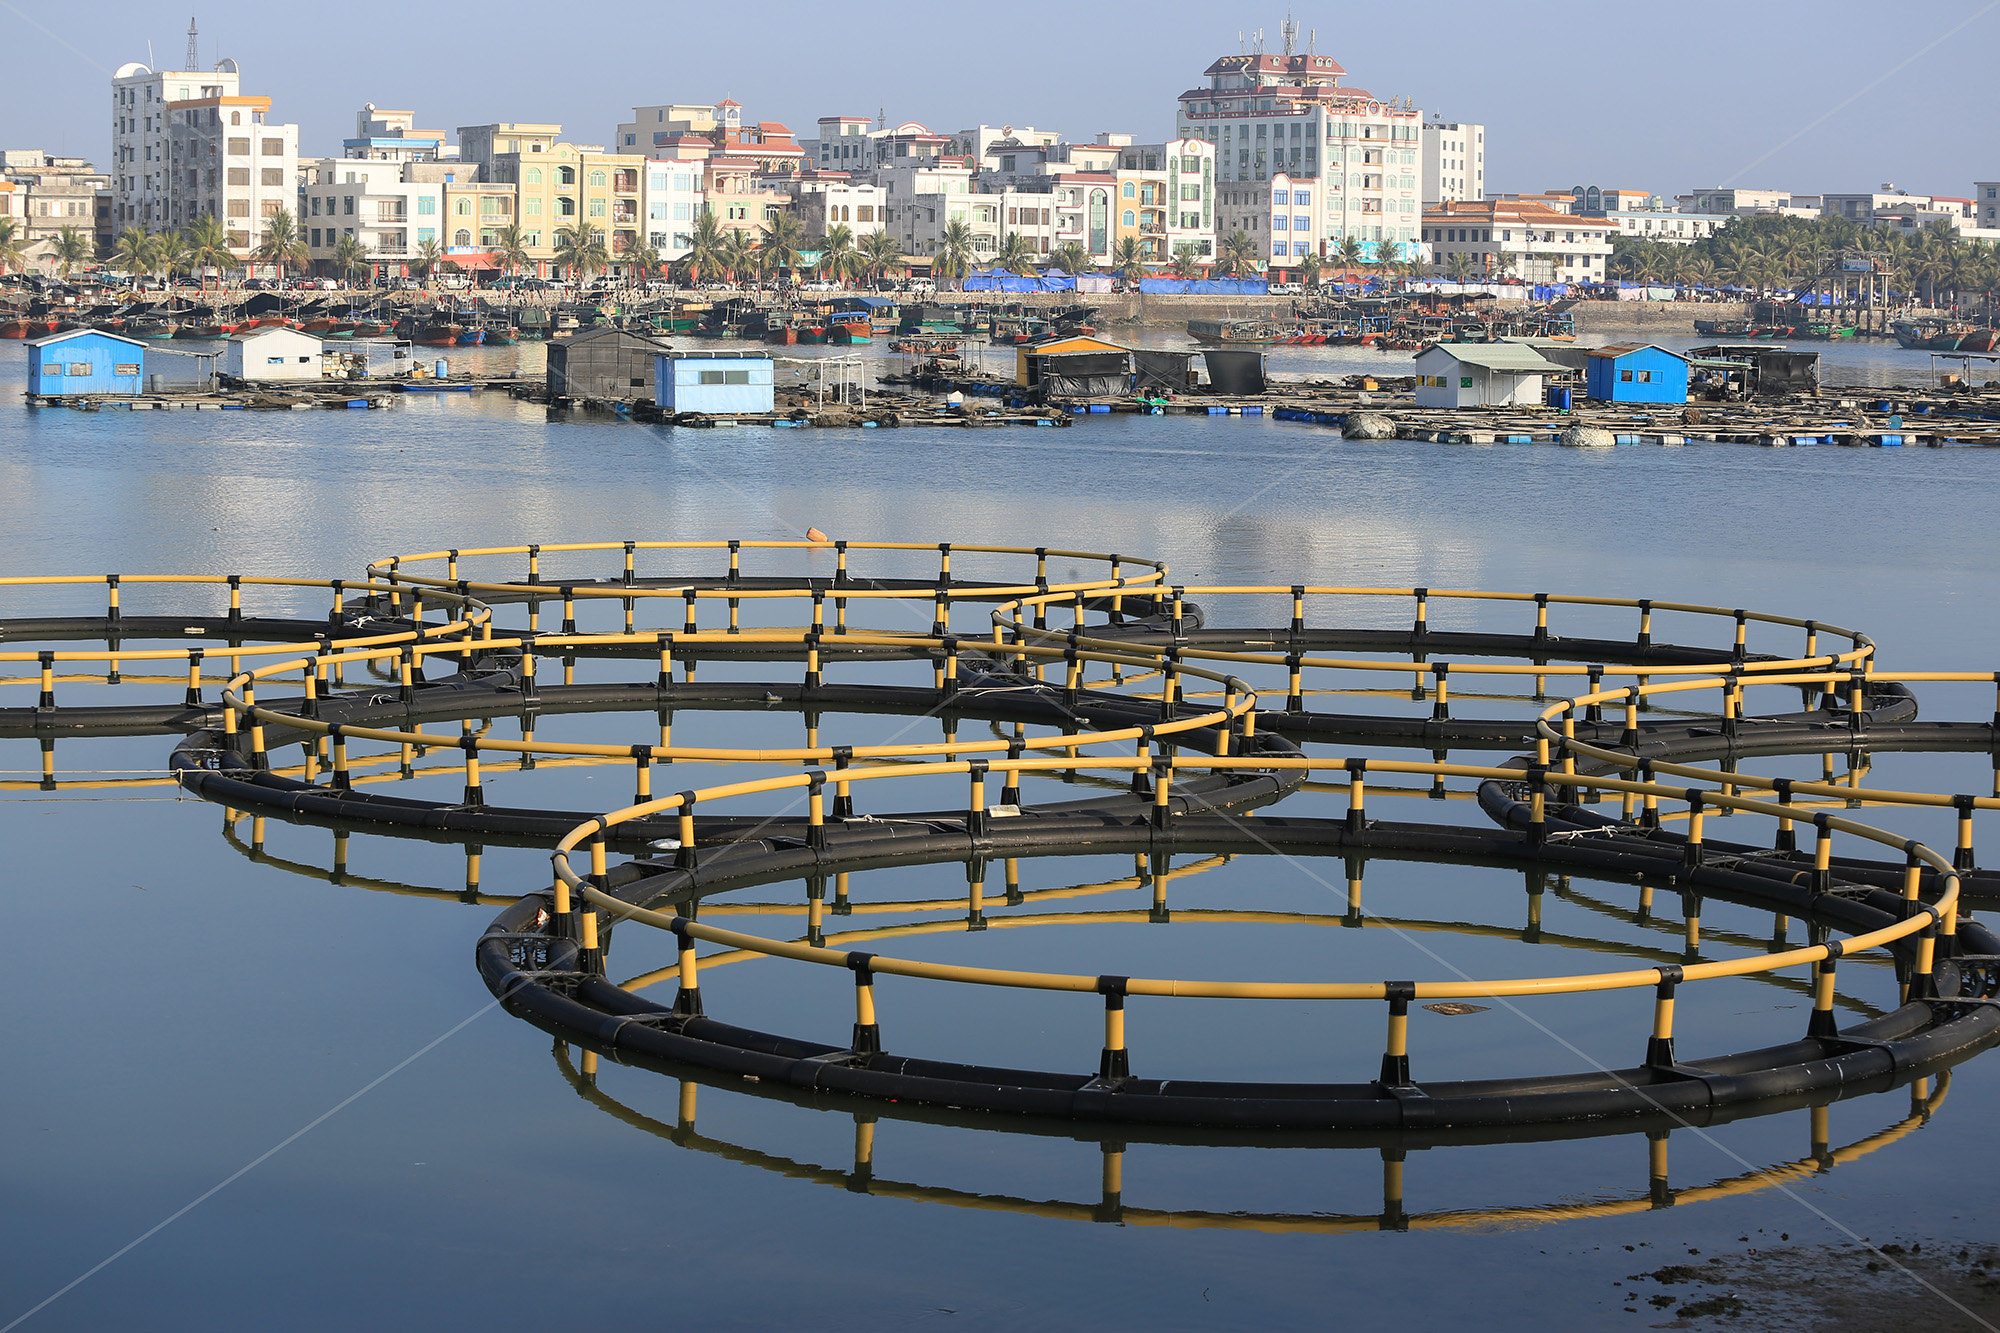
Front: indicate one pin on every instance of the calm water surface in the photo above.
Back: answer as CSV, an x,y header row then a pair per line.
x,y
180,1006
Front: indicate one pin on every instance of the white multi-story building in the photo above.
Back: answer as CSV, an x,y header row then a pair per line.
x,y
141,175
1454,161
825,200
1651,224
671,198
225,160
1752,203
376,202
1529,241
1359,156
51,193
1986,204
1862,208
392,136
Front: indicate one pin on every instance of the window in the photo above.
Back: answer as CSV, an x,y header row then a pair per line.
x,y
125,368
239,208
725,377
1130,191
79,367
597,208
534,175
427,206
461,237
531,207
274,176
1281,223
1465,381
1129,218
239,148
565,175
274,148
315,236
1301,223
1625,376
1281,198
597,180
462,207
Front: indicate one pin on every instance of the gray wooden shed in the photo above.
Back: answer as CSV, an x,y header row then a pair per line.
x,y
604,363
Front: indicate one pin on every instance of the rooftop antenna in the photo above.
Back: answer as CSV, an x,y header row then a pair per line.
x,y
194,46
1290,32
1312,40
881,117
1257,41
1242,44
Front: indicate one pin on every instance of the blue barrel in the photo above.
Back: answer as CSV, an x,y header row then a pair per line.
x,y
1559,399
442,369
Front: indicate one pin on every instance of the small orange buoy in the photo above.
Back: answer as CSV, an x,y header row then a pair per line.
x,y
815,535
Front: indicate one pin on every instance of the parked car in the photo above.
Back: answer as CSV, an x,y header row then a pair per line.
x,y
657,285
405,285
1287,289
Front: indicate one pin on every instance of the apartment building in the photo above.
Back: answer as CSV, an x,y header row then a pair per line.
x,y
374,201
1166,197
1453,161
1521,239
227,160
392,136
1986,204
49,193
824,200
141,176
673,198
1361,156
1752,203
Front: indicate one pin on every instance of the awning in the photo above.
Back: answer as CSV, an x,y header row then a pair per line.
x,y
466,259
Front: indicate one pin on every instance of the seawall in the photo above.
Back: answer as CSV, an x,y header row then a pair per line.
x,y
1140,310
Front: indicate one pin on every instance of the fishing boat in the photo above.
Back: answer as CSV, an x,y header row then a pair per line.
x,y
153,329
319,326
501,335
438,335
534,323
562,324
1235,331
1980,340
13,328
1019,329
369,328
1722,328
210,332
471,337
850,326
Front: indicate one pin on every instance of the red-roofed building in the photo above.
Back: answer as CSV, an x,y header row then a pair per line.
x,y
1520,239
1358,156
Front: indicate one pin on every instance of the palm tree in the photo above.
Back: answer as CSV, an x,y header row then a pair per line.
x,y
72,247
1072,257
706,247
1128,260
780,240
510,247
351,259
641,260
1238,254
839,261
208,246
171,253
1459,268
430,253
882,253
953,260
1388,253
282,246
1017,256
134,252
740,256
1309,269
581,250
1186,263
1349,252
13,246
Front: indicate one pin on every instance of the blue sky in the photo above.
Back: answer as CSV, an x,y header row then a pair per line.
x,y
1654,97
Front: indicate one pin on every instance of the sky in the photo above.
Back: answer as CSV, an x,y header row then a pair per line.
x,y
1827,96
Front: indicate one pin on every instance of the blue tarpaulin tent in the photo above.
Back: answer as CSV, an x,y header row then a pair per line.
x,y
999,280
1205,286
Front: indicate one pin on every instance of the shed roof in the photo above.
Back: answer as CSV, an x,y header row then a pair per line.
x,y
1616,350
1497,356
1064,346
592,335
80,333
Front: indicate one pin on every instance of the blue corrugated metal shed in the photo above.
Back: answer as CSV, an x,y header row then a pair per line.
x,y
718,382
1636,373
86,361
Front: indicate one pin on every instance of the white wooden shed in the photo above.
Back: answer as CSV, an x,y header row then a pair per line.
x,y
272,353
1481,375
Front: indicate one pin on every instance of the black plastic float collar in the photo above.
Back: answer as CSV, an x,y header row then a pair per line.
x,y
1541,606
1399,992
1671,975
861,964
111,584
1114,987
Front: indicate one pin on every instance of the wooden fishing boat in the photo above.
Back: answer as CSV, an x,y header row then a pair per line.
x,y
471,337
438,335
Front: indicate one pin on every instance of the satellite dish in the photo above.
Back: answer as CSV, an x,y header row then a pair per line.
x,y
128,69
225,66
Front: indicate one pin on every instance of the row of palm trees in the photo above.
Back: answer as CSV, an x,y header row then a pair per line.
x,y
1767,254
69,247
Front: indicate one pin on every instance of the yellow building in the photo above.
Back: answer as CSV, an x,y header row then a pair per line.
x,y
559,186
